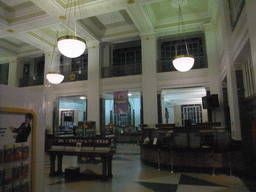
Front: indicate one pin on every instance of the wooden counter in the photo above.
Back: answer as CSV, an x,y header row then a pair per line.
x,y
187,148
185,157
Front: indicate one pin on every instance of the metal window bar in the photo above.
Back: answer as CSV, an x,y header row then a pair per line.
x,y
192,112
126,56
249,76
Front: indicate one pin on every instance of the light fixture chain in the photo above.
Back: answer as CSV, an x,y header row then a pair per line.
x,y
72,46
70,6
183,29
182,62
186,47
75,15
53,51
79,9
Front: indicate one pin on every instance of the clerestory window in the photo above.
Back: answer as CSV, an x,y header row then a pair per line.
x,y
171,48
127,56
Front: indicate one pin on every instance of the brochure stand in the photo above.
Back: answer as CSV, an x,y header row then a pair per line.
x,y
17,159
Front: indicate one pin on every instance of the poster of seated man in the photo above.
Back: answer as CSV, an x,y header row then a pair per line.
x,y
23,131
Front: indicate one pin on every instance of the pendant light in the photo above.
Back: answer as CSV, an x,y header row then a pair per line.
x,y
183,62
54,77
71,46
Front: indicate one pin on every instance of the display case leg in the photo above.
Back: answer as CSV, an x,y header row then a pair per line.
x,y
230,165
172,161
213,166
158,160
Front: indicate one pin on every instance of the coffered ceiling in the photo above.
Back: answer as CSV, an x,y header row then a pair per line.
x,y
29,27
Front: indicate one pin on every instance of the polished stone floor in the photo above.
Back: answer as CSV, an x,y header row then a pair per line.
x,y
130,175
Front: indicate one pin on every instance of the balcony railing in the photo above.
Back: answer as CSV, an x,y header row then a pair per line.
x,y
166,65
123,70
31,81
75,76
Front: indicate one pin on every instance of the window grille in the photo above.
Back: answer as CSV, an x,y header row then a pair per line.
x,y
80,63
123,119
192,112
249,78
127,56
195,47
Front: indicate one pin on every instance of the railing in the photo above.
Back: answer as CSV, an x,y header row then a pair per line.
x,y
31,81
75,76
123,70
166,65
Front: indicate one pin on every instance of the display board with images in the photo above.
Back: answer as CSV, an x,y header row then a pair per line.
x,y
15,151
86,128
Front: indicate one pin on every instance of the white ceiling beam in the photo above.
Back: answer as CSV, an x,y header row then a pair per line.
x,y
141,21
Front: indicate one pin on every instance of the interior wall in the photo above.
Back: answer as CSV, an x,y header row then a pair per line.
x,y
177,117
204,115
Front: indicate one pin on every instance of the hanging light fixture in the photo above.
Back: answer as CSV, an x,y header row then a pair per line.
x,y
71,46
54,77
183,62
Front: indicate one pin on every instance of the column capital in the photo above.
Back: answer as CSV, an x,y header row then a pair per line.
x,y
12,58
149,36
207,27
93,45
49,53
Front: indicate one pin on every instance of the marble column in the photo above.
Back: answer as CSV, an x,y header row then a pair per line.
x,y
149,80
230,72
93,92
250,7
214,72
15,71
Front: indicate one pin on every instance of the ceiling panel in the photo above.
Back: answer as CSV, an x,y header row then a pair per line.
x,y
19,11
14,2
184,96
34,23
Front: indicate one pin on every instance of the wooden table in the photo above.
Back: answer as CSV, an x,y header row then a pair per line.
x,y
106,159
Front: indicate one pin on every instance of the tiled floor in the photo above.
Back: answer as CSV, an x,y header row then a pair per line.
x,y
130,175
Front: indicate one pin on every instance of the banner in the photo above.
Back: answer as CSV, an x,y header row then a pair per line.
x,y
121,102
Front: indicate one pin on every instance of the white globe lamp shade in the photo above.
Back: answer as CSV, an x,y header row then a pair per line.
x,y
71,46
183,63
54,77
